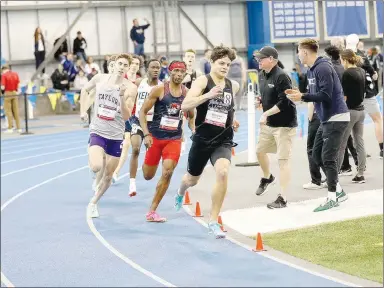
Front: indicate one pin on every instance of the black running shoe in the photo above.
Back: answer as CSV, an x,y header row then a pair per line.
x,y
278,203
358,179
264,184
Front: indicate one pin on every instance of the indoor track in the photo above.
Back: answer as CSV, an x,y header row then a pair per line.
x,y
48,241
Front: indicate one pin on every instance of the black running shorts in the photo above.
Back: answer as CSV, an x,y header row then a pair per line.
x,y
200,153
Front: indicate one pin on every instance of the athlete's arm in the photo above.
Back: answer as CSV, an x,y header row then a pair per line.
x,y
84,94
147,105
311,110
194,97
129,93
235,89
191,120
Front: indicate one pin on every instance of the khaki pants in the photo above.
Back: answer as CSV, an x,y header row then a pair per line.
x,y
11,109
276,140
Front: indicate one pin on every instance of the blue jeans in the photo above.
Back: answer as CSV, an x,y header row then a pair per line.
x,y
82,55
139,49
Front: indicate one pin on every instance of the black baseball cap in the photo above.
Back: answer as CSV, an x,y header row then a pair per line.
x,y
267,51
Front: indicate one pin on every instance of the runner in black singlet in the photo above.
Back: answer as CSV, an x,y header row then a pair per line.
x,y
213,97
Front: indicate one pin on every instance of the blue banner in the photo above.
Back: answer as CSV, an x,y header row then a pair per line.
x,y
342,18
71,98
293,20
379,7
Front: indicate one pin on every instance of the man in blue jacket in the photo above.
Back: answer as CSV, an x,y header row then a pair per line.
x,y
137,36
327,94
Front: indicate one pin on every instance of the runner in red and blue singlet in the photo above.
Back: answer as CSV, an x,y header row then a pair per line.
x,y
163,138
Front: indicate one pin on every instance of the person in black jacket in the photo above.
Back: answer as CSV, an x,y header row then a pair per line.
x,y
62,51
370,103
79,46
334,53
277,124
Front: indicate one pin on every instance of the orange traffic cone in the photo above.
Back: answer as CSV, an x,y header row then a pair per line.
x,y
187,201
198,211
259,244
220,221
233,151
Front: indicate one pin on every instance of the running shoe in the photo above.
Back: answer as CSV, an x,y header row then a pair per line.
x,y
178,201
215,229
92,211
329,204
154,217
264,185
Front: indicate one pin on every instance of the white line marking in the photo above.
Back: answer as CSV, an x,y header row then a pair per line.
x,y
201,221
4,279
43,147
58,140
38,155
124,258
43,164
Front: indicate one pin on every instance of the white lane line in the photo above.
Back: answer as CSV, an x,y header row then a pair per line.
x,y
4,279
43,147
348,284
201,221
40,165
44,154
124,258
58,140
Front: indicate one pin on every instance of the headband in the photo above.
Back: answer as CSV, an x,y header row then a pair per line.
x,y
177,65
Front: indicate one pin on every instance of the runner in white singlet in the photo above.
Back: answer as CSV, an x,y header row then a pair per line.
x,y
108,123
145,87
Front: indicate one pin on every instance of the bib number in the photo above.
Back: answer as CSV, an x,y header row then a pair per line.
x,y
150,116
216,118
169,123
106,112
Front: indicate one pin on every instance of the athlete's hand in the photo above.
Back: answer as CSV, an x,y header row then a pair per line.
x,y
84,117
215,91
148,141
235,125
123,88
293,94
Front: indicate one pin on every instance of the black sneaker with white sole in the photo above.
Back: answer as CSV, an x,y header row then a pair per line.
x,y
264,185
278,203
345,172
358,179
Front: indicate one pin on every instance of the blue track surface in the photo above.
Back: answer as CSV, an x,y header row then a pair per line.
x,y
46,240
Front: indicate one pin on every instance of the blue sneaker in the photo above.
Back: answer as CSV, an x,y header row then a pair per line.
x,y
215,228
178,201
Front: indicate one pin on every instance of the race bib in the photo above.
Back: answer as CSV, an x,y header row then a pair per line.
x,y
150,116
169,123
216,118
106,112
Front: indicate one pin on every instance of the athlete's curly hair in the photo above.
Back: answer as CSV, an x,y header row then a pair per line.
x,y
221,51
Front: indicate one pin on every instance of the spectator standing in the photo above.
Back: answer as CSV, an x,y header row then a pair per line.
x,y
138,37
79,46
62,50
205,65
238,73
10,82
39,48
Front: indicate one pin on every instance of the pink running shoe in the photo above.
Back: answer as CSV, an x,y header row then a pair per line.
x,y
154,217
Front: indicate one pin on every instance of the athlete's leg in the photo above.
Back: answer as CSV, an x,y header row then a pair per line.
x,y
170,154
124,155
152,159
106,180
136,141
96,152
113,151
197,160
